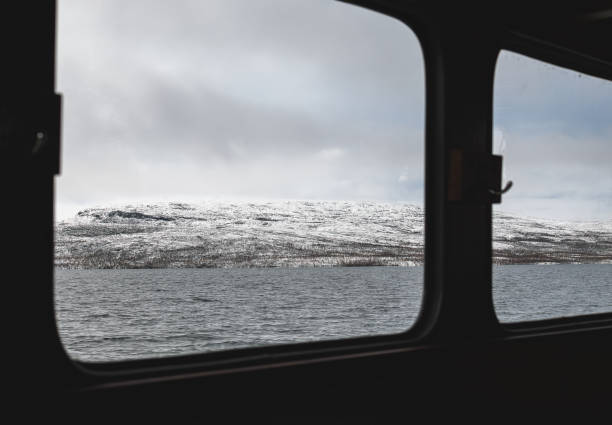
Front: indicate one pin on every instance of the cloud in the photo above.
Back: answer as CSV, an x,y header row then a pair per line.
x,y
189,100
554,129
330,154
235,98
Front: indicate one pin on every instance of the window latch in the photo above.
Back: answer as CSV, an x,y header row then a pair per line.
x,y
475,177
506,188
30,133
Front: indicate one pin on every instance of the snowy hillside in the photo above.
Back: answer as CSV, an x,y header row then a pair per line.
x,y
296,233
529,240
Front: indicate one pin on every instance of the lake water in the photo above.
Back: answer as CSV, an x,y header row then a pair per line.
x,y
106,315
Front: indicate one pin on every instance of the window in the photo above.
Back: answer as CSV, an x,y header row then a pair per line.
x,y
235,174
553,231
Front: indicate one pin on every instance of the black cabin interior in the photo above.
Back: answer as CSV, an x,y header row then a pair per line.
x,y
456,360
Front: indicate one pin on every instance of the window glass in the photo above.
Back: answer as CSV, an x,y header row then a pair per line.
x,y
552,234
235,174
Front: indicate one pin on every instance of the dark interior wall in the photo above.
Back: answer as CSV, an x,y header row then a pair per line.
x,y
458,359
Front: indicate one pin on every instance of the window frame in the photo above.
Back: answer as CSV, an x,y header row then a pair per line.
x,y
263,356
37,352
533,48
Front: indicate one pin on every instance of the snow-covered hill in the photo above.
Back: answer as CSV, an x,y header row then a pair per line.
x,y
297,233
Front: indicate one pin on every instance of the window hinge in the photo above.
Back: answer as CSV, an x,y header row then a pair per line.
x,y
475,177
30,133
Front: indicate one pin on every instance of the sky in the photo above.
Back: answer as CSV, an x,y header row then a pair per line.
x,y
191,100
553,127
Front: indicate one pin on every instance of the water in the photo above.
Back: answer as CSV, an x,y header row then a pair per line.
x,y
106,315
120,314
534,292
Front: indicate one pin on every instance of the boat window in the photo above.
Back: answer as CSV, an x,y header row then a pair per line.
x,y
235,174
552,234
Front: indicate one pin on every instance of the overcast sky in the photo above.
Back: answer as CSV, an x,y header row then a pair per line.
x,y
554,128
296,99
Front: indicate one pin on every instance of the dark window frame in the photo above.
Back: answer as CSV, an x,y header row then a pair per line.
x,y
539,50
260,356
430,328
35,347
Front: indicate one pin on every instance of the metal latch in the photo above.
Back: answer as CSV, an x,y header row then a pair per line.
x,y
475,177
30,133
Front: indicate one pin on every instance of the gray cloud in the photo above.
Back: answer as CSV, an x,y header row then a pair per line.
x,y
266,99
300,99
555,126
